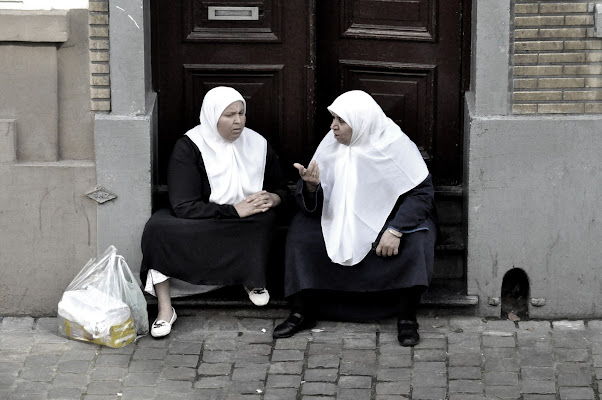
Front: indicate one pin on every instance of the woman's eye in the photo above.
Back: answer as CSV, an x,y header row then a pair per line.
x,y
342,121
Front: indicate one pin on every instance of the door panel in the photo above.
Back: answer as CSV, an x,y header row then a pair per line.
x,y
199,27
265,59
401,19
259,85
407,55
406,91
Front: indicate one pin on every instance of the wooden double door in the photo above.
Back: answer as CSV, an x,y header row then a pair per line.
x,y
291,58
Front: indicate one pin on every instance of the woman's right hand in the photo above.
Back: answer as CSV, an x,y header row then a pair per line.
x,y
246,209
256,203
310,175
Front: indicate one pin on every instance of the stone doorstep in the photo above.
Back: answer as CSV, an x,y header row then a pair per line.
x,y
232,297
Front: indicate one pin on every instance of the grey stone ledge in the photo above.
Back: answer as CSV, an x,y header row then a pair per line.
x,y
56,164
37,26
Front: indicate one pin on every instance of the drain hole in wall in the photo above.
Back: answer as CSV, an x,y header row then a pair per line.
x,y
515,295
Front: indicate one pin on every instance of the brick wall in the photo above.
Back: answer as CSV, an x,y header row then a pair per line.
x,y
99,55
557,60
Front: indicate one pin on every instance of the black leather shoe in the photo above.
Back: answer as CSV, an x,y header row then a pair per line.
x,y
407,333
293,324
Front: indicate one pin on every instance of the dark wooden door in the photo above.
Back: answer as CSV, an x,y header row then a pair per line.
x,y
290,59
259,47
407,54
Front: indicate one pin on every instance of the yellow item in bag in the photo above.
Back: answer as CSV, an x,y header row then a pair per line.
x,y
119,335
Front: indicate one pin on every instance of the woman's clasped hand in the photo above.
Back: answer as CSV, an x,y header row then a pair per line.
x,y
258,202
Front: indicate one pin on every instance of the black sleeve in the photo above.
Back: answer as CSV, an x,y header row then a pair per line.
x,y
273,179
310,203
414,207
188,185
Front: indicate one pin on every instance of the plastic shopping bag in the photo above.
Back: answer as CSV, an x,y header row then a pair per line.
x,y
104,304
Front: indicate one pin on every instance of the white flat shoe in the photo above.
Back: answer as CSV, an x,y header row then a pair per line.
x,y
259,296
162,328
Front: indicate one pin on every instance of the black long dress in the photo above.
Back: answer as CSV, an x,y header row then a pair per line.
x,y
206,243
371,288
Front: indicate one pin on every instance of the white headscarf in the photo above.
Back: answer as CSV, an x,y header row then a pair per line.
x,y
363,180
235,169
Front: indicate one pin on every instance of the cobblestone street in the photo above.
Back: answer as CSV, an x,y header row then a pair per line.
x,y
230,354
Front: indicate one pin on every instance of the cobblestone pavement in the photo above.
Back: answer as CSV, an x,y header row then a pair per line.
x,y
230,354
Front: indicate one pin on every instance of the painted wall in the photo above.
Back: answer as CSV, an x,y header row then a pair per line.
x,y
43,4
534,203
532,188
125,136
48,225
54,149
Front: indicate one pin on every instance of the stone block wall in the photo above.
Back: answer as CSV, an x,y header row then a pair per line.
x,y
48,224
556,58
100,81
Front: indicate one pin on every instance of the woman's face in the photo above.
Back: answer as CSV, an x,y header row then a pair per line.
x,y
342,130
232,121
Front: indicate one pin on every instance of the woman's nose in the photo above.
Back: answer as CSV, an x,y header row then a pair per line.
x,y
333,124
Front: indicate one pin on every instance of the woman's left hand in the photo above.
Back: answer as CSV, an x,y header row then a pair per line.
x,y
263,200
388,245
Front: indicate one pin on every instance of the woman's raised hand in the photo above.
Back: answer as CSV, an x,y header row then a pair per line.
x,y
311,175
257,203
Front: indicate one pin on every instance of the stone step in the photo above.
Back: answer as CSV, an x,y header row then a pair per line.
x,y
235,297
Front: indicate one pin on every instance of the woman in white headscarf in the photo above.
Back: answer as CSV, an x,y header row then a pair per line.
x,y
223,180
363,245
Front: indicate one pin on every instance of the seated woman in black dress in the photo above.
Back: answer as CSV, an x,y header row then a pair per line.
x,y
223,181
362,246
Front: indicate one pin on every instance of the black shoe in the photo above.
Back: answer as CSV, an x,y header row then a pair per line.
x,y
293,324
407,333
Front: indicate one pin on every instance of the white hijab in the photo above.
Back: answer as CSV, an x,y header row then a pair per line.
x,y
363,180
235,169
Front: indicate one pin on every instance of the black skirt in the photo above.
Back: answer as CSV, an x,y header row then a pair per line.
x,y
208,251
367,290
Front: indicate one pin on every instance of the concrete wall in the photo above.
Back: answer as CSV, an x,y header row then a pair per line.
x,y
532,187
124,137
534,203
43,4
48,225
57,69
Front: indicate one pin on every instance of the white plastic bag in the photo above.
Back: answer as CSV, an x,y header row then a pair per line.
x,y
104,304
93,310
